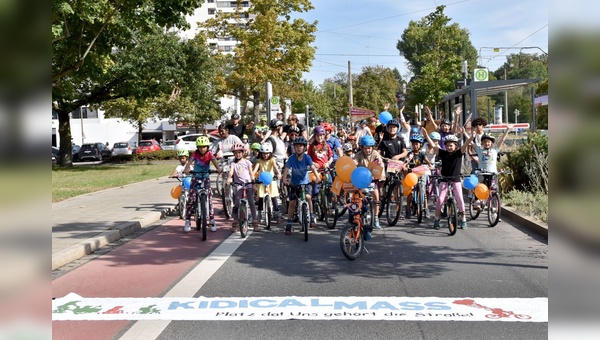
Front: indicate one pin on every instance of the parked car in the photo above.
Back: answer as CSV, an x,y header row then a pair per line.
x,y
168,145
148,145
188,142
75,152
94,151
122,148
54,155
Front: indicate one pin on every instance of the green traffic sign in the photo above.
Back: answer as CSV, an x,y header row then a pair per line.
x,y
481,74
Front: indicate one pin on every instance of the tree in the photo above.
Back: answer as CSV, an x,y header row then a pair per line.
x,y
85,37
271,46
435,51
135,111
374,87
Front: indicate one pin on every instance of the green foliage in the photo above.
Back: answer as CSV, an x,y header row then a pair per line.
x,y
534,204
522,163
145,156
374,87
434,50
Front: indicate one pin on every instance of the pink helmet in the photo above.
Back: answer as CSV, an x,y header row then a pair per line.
x,y
238,147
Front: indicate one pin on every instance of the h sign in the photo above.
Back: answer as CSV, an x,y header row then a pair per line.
x,y
480,74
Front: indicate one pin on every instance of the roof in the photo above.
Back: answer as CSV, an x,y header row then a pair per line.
x,y
486,88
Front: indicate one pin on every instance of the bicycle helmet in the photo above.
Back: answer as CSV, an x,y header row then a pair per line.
x,y
266,147
202,141
435,135
238,147
294,129
319,121
393,122
367,141
416,137
347,147
274,124
255,146
445,121
486,136
185,153
414,131
450,138
319,130
263,118
328,127
235,116
300,140
245,137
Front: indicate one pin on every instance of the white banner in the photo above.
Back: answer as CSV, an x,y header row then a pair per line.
x,y
74,307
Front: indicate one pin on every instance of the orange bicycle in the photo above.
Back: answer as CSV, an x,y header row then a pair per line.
x,y
360,224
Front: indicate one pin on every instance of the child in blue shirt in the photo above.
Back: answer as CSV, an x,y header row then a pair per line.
x,y
300,164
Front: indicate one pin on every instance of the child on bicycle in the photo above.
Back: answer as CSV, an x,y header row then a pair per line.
x,y
182,156
451,159
200,159
241,172
348,150
320,152
417,157
363,158
300,164
267,162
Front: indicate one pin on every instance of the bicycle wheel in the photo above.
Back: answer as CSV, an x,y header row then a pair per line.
x,y
394,203
452,216
420,203
219,184
382,201
227,200
243,219
351,241
317,208
494,209
268,211
330,211
472,211
305,219
204,214
182,205
322,203
369,216
284,200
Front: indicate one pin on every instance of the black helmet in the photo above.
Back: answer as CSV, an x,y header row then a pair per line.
x,y
445,121
300,140
393,122
274,124
235,116
490,137
294,128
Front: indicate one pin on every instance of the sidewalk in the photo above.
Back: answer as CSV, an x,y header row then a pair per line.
x,y
84,224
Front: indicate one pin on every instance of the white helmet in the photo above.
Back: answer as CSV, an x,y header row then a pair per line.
x,y
347,147
451,138
266,147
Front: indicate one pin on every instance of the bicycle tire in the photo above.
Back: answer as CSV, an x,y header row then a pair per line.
x,y
351,241
474,213
197,214
226,199
182,205
204,214
305,219
382,206
268,211
323,203
420,203
452,217
330,212
317,208
218,184
494,209
369,216
284,200
393,203
243,220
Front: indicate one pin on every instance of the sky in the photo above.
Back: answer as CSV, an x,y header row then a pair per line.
x,y
366,32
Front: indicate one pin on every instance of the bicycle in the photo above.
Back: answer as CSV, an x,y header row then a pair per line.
x,y
227,198
201,213
267,207
393,193
450,202
493,204
324,205
360,222
243,217
303,210
182,199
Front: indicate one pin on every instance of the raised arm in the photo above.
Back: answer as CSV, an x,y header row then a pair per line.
x,y
435,147
430,118
457,112
403,122
466,144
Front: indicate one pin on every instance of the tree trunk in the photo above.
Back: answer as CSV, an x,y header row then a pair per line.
x,y
256,101
66,144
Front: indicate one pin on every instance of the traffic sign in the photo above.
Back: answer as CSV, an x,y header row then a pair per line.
x,y
480,74
274,100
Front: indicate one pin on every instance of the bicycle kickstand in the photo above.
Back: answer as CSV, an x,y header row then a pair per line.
x,y
365,249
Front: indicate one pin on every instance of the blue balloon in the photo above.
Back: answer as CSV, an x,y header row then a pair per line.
x,y
385,117
266,177
470,182
361,177
187,182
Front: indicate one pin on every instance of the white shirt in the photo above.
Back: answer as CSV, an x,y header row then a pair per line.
x,y
487,159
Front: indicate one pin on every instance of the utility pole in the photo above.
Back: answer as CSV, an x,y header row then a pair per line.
x,y
350,100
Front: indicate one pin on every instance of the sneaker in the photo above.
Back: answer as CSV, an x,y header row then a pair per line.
x,y
463,225
426,213
376,223
436,224
367,236
188,226
313,222
213,228
288,227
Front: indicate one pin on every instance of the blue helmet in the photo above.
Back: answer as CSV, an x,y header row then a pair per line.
x,y
435,135
367,140
414,131
416,137
393,122
300,140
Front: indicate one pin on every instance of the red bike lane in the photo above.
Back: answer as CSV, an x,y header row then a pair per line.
x,y
146,266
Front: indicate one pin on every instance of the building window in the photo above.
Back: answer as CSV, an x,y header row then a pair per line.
x,y
211,11
84,112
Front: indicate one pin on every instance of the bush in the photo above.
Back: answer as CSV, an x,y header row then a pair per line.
x,y
146,156
527,162
531,203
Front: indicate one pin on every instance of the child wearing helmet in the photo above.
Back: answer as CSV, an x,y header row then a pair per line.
x,y
445,128
299,164
392,146
200,160
415,158
254,156
266,162
182,156
242,173
320,152
348,150
451,159
364,158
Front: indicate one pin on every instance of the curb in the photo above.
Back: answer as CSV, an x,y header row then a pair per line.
x,y
92,244
526,221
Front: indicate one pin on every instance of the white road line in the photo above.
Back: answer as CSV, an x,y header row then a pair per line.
x,y
188,286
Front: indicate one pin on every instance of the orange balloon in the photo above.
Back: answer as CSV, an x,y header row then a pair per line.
x,y
481,191
344,167
411,180
406,190
176,191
